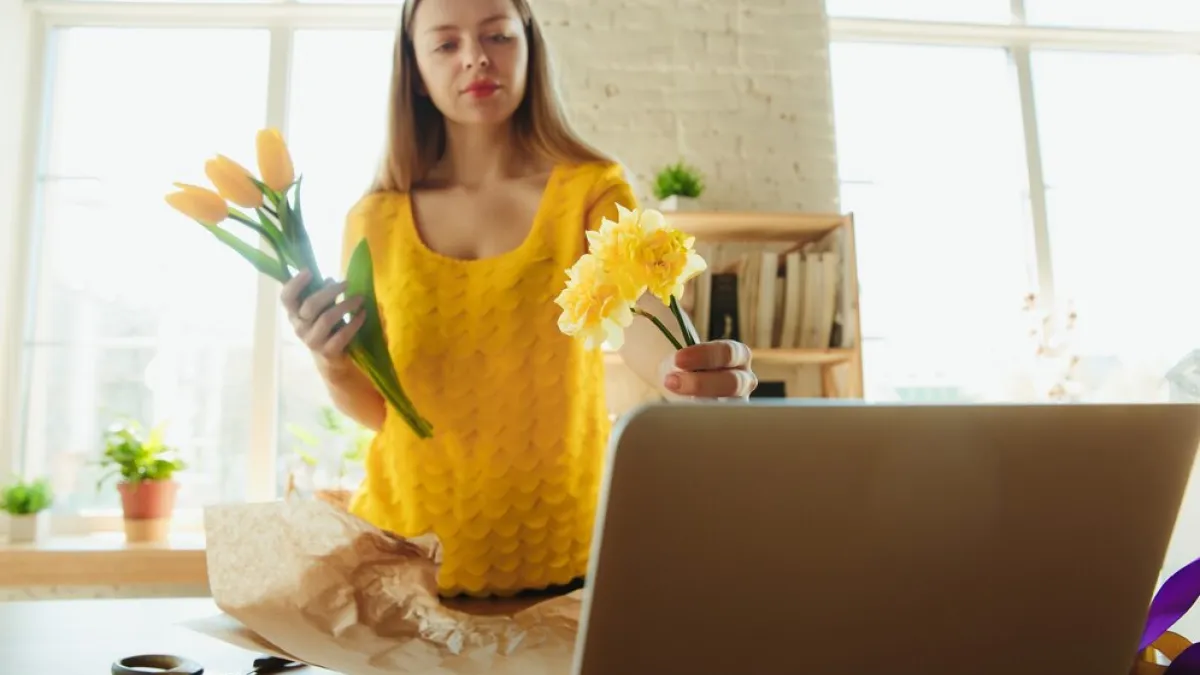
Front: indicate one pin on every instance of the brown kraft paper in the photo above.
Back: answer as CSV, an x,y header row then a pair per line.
x,y
310,582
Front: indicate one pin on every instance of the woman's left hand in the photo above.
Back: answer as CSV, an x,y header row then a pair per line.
x,y
717,369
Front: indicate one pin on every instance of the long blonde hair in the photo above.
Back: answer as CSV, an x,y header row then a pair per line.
x,y
416,133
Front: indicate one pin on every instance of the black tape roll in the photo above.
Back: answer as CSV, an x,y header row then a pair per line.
x,y
160,663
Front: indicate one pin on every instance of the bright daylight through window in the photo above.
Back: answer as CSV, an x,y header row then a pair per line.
x,y
135,315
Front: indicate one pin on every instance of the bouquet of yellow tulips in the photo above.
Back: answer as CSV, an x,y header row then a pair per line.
x,y
638,253
275,200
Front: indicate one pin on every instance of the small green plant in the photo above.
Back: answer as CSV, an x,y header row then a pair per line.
x,y
25,498
136,456
678,179
356,438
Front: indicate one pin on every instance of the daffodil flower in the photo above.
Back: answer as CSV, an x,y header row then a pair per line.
x,y
635,254
593,306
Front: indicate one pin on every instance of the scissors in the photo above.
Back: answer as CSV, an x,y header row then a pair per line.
x,y
177,665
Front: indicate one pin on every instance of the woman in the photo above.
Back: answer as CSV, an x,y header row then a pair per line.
x,y
481,205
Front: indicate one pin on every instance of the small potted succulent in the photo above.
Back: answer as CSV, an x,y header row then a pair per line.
x,y
678,187
27,504
146,467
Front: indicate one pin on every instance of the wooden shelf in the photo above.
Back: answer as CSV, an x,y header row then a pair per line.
x,y
753,226
795,357
103,560
802,356
725,237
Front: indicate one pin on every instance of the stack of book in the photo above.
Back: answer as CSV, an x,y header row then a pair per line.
x,y
768,298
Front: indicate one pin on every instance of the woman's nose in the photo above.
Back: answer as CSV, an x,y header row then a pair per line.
x,y
476,56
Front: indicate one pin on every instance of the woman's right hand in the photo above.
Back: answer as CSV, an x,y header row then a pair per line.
x,y
317,319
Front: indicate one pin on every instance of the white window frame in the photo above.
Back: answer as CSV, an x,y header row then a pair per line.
x,y
1019,39
281,18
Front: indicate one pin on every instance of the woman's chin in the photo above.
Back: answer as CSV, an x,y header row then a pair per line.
x,y
487,110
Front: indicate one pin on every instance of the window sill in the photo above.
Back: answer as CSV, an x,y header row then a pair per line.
x,y
104,559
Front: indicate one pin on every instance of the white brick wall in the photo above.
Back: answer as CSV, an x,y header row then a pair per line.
x,y
738,88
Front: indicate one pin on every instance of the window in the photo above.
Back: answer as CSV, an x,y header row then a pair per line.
x,y
978,11
336,128
1053,152
136,313
1172,15
937,186
1121,151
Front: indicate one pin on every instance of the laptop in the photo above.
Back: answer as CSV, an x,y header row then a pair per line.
x,y
785,538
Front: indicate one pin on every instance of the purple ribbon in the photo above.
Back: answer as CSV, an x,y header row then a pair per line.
x,y
1188,663
1170,604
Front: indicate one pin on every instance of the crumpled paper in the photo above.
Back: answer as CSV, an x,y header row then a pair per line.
x,y
312,583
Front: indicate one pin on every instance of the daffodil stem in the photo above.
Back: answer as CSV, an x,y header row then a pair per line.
x,y
661,326
683,327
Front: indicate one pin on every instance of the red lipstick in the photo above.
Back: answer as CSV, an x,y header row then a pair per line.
x,y
482,88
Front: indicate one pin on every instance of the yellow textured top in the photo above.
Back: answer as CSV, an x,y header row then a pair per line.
x,y
510,478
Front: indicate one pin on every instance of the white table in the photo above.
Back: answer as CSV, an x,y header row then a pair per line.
x,y
84,637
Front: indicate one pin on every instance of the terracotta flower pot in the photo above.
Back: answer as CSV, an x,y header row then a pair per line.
x,y
147,506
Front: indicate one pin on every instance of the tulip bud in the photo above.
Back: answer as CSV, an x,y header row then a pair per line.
x,y
274,160
233,182
198,203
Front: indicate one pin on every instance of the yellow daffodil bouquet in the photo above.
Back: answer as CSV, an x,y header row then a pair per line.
x,y
638,253
274,198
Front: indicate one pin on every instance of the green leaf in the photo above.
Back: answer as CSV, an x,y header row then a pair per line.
x,y
263,226
295,234
274,237
391,391
154,440
303,435
105,477
357,451
369,347
267,230
283,213
271,195
678,179
334,421
263,262
296,208
25,498
135,457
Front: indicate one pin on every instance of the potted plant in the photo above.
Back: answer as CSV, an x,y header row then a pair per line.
x,y
146,467
678,187
350,441
27,504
